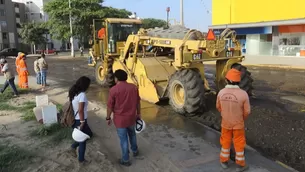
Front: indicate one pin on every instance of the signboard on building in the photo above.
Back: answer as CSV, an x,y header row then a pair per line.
x,y
246,31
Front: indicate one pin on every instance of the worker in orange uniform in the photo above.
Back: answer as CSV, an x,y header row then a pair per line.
x,y
234,106
17,68
23,72
101,33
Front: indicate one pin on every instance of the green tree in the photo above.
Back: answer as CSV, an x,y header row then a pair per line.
x,y
83,12
152,23
33,33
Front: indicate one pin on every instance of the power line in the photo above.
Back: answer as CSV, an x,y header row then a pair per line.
x,y
206,9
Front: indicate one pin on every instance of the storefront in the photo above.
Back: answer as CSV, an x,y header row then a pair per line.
x,y
264,27
254,41
291,40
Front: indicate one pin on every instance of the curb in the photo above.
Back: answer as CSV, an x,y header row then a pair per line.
x,y
252,149
280,66
276,66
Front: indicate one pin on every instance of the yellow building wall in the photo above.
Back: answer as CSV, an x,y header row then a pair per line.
x,y
252,11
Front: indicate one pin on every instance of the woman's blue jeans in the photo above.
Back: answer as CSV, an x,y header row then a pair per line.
x,y
43,74
81,145
38,78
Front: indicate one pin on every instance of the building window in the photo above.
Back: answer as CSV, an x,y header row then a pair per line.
x,y
18,25
2,1
2,12
4,35
3,23
16,5
17,15
6,46
40,16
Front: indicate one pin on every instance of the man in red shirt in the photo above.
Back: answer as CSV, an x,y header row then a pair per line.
x,y
124,103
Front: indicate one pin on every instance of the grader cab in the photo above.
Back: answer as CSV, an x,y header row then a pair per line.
x,y
168,63
108,38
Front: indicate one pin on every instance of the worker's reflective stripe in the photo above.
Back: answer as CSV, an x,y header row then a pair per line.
x,y
240,158
23,69
225,150
239,153
224,155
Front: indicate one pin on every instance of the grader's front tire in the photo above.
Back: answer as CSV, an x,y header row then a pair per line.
x,y
102,79
186,92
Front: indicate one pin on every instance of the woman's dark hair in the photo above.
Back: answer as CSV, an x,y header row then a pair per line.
x,y
81,85
121,75
232,83
43,55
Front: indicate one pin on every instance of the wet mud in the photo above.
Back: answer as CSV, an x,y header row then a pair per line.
x,y
275,126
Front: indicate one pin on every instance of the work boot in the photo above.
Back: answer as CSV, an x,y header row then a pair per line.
x,y
135,154
224,165
83,163
242,168
128,163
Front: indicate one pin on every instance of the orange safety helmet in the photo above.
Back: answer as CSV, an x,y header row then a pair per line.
x,y
101,33
233,75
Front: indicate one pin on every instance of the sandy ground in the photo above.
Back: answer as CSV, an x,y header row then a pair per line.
x,y
47,155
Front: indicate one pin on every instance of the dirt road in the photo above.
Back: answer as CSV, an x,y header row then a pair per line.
x,y
275,127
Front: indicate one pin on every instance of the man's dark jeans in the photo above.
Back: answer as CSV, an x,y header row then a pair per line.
x,y
81,145
11,83
123,134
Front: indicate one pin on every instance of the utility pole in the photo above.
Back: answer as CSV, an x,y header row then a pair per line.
x,y
181,13
71,31
167,12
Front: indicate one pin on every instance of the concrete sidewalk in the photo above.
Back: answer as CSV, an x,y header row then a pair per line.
x,y
170,143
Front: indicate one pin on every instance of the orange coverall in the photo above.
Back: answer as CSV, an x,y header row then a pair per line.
x,y
234,106
23,72
101,33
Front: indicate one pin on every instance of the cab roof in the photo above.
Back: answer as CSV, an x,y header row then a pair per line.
x,y
123,20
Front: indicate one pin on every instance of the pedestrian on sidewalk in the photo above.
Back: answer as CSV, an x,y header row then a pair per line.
x,y
9,76
81,51
124,103
37,71
43,66
17,68
77,95
23,71
234,106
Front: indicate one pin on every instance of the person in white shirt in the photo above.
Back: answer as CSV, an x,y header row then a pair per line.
x,y
77,95
9,77
37,71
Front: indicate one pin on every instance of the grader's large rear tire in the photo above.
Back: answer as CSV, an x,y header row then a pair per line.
x,y
246,82
104,80
186,92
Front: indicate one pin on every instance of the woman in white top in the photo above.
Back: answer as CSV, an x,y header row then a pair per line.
x,y
77,94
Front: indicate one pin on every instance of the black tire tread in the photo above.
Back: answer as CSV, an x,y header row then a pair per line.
x,y
246,82
194,92
109,81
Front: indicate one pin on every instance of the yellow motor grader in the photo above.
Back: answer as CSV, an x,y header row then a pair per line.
x,y
168,63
